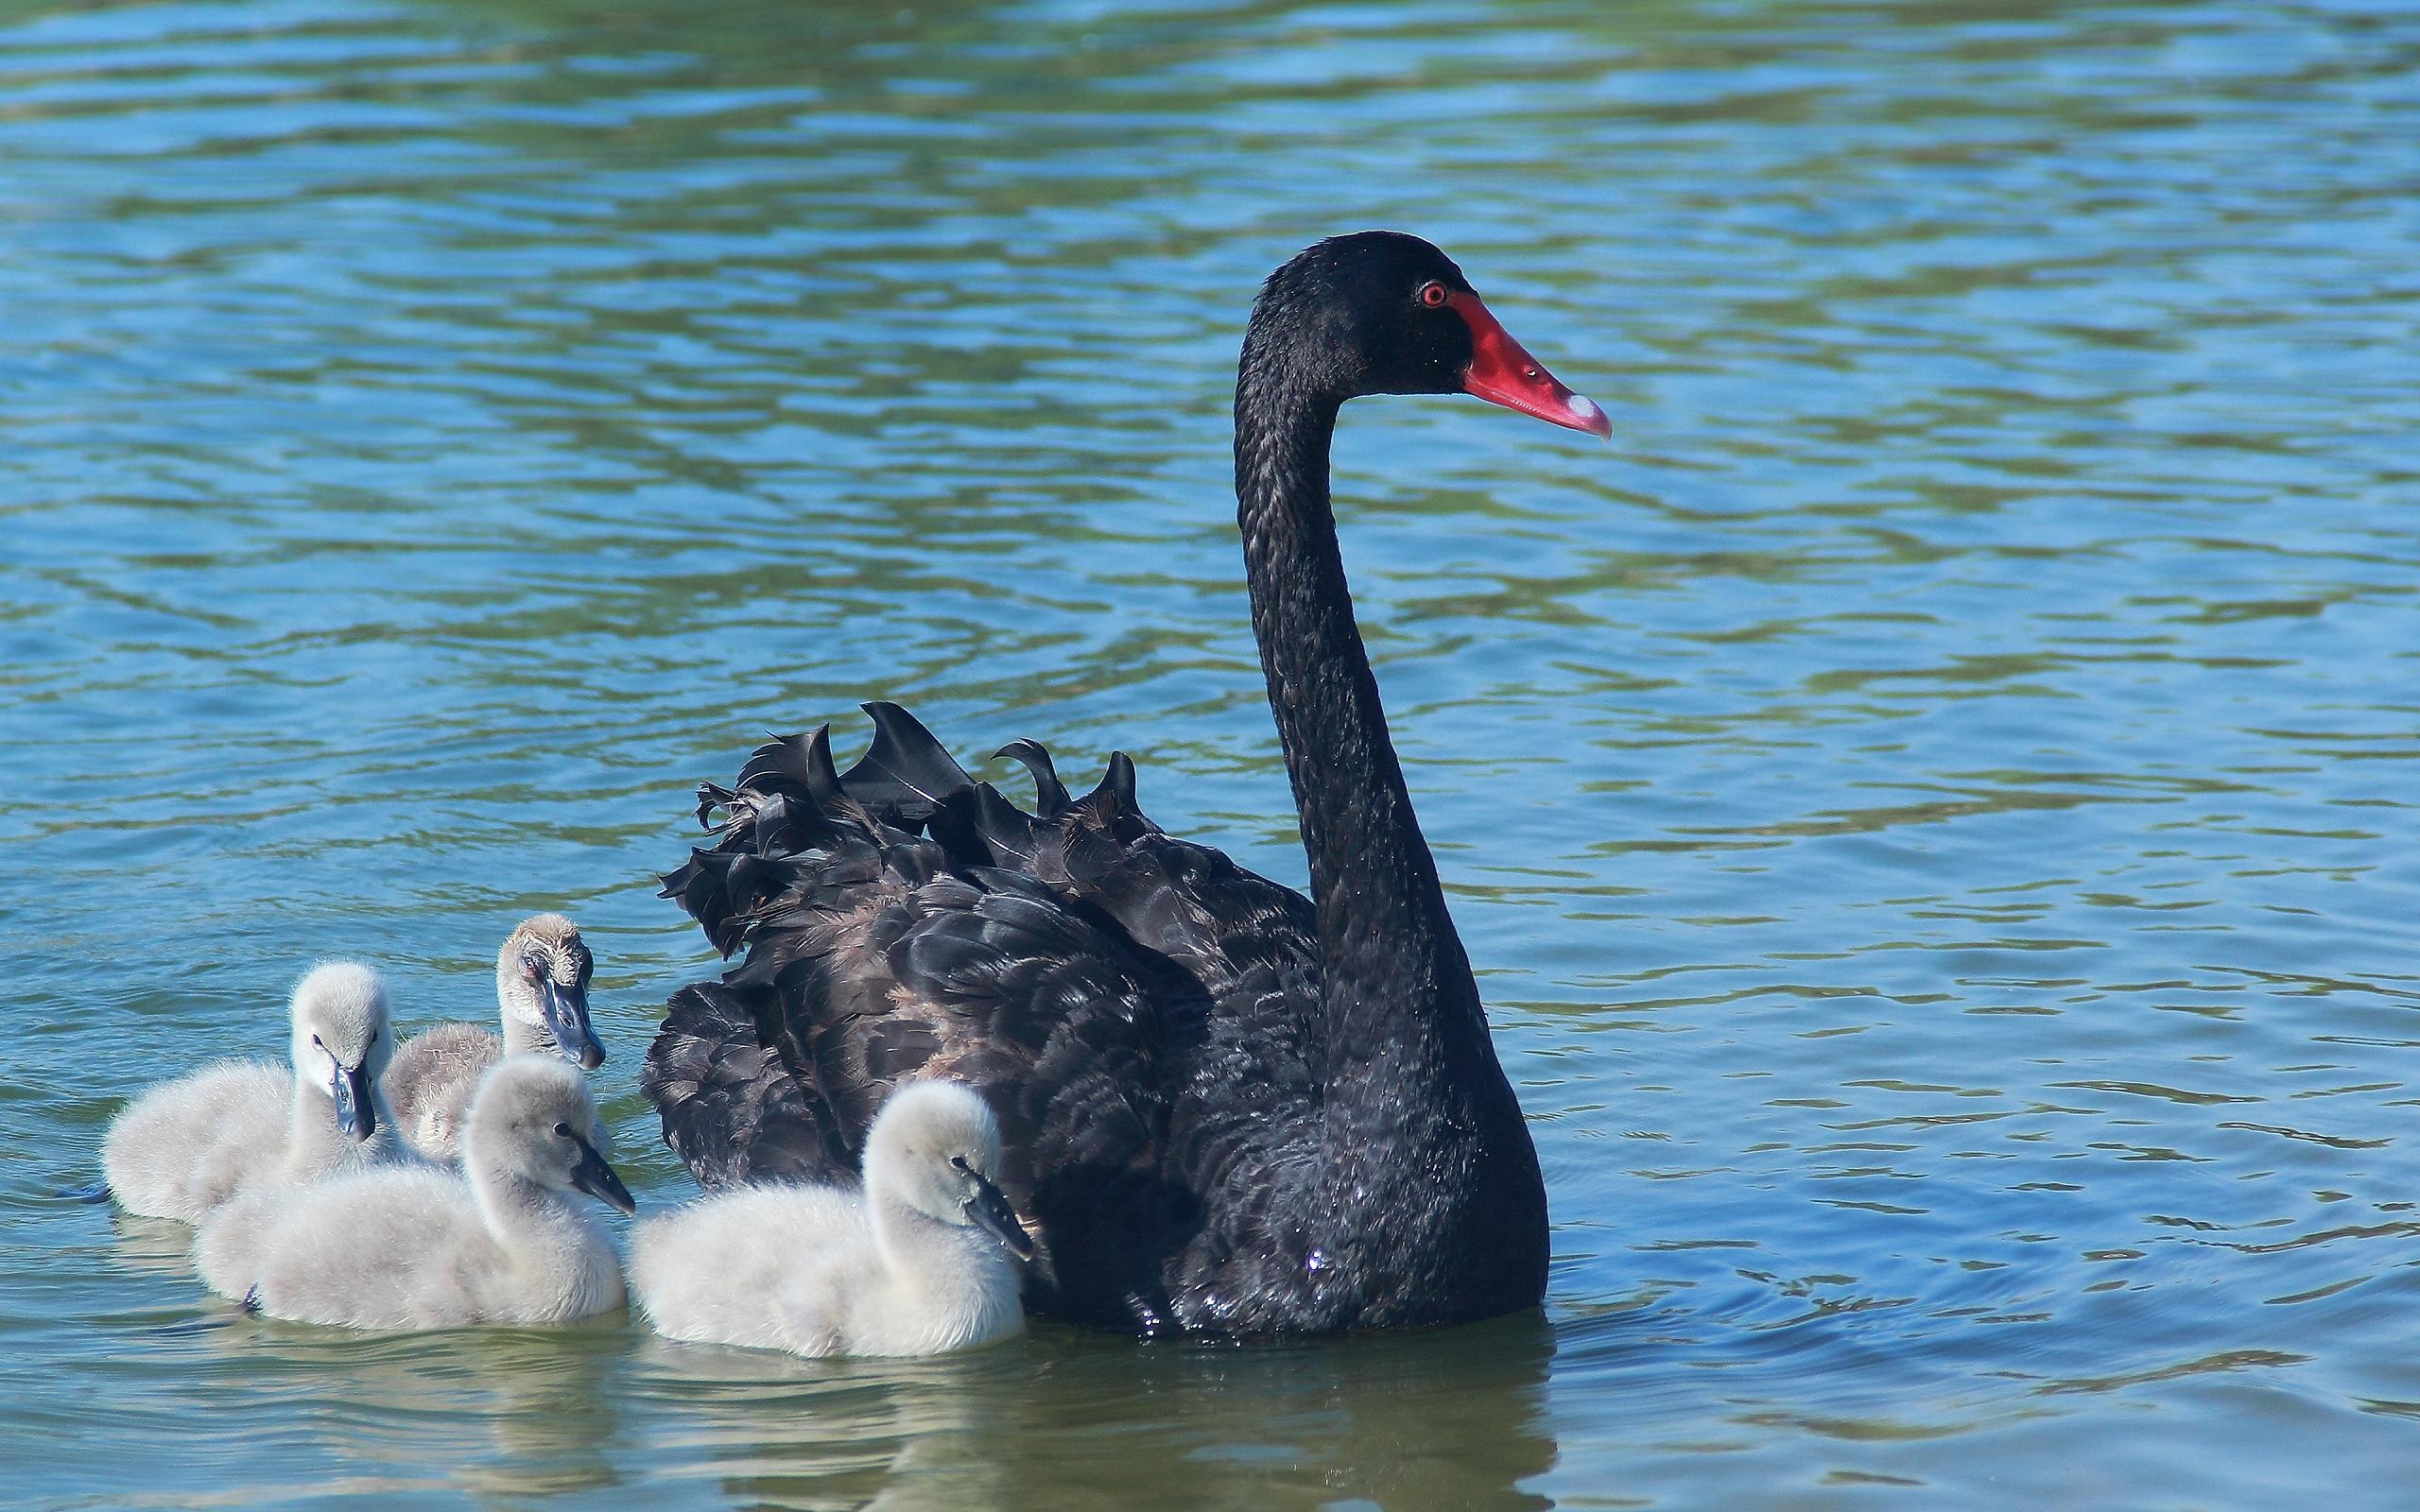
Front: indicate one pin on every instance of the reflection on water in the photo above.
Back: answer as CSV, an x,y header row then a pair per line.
x,y
493,1412
1927,803
1454,1419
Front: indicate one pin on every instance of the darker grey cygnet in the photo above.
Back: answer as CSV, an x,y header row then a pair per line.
x,y
542,1001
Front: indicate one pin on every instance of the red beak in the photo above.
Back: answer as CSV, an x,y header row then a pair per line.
x,y
1502,374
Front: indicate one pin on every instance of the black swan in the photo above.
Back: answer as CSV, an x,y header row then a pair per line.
x,y
1227,1109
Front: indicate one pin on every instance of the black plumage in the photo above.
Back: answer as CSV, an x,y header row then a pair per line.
x,y
1227,1109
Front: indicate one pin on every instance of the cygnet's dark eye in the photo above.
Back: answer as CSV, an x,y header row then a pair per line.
x,y
563,1131
1432,294
960,1161
532,967
315,1040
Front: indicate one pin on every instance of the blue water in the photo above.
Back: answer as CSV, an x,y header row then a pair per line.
x,y
1930,804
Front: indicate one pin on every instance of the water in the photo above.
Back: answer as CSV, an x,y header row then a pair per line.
x,y
1931,803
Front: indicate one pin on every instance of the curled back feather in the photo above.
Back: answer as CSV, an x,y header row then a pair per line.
x,y
904,770
1050,794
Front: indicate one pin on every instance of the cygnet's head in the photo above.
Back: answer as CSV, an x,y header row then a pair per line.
x,y
936,1147
341,1040
532,1117
541,979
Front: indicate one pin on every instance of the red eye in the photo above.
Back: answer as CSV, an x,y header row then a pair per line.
x,y
1432,294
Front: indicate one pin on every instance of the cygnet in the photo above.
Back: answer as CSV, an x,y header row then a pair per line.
x,y
503,1240
919,1264
542,996
188,1145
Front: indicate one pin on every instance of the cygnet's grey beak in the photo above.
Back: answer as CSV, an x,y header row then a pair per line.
x,y
593,1177
990,1212
565,1010
357,1114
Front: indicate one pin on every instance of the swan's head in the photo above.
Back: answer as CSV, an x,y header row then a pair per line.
x,y
341,1040
542,980
1379,312
936,1147
533,1117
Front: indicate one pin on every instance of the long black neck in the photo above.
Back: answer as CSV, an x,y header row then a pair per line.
x,y
1411,1079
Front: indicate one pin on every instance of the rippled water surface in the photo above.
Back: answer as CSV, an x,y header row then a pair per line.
x,y
1931,804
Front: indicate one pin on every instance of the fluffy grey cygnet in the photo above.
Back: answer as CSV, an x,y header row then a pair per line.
x,y
507,1240
542,996
188,1145
919,1264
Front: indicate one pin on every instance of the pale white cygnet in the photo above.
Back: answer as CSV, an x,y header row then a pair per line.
x,y
188,1145
506,1239
542,998
920,1262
